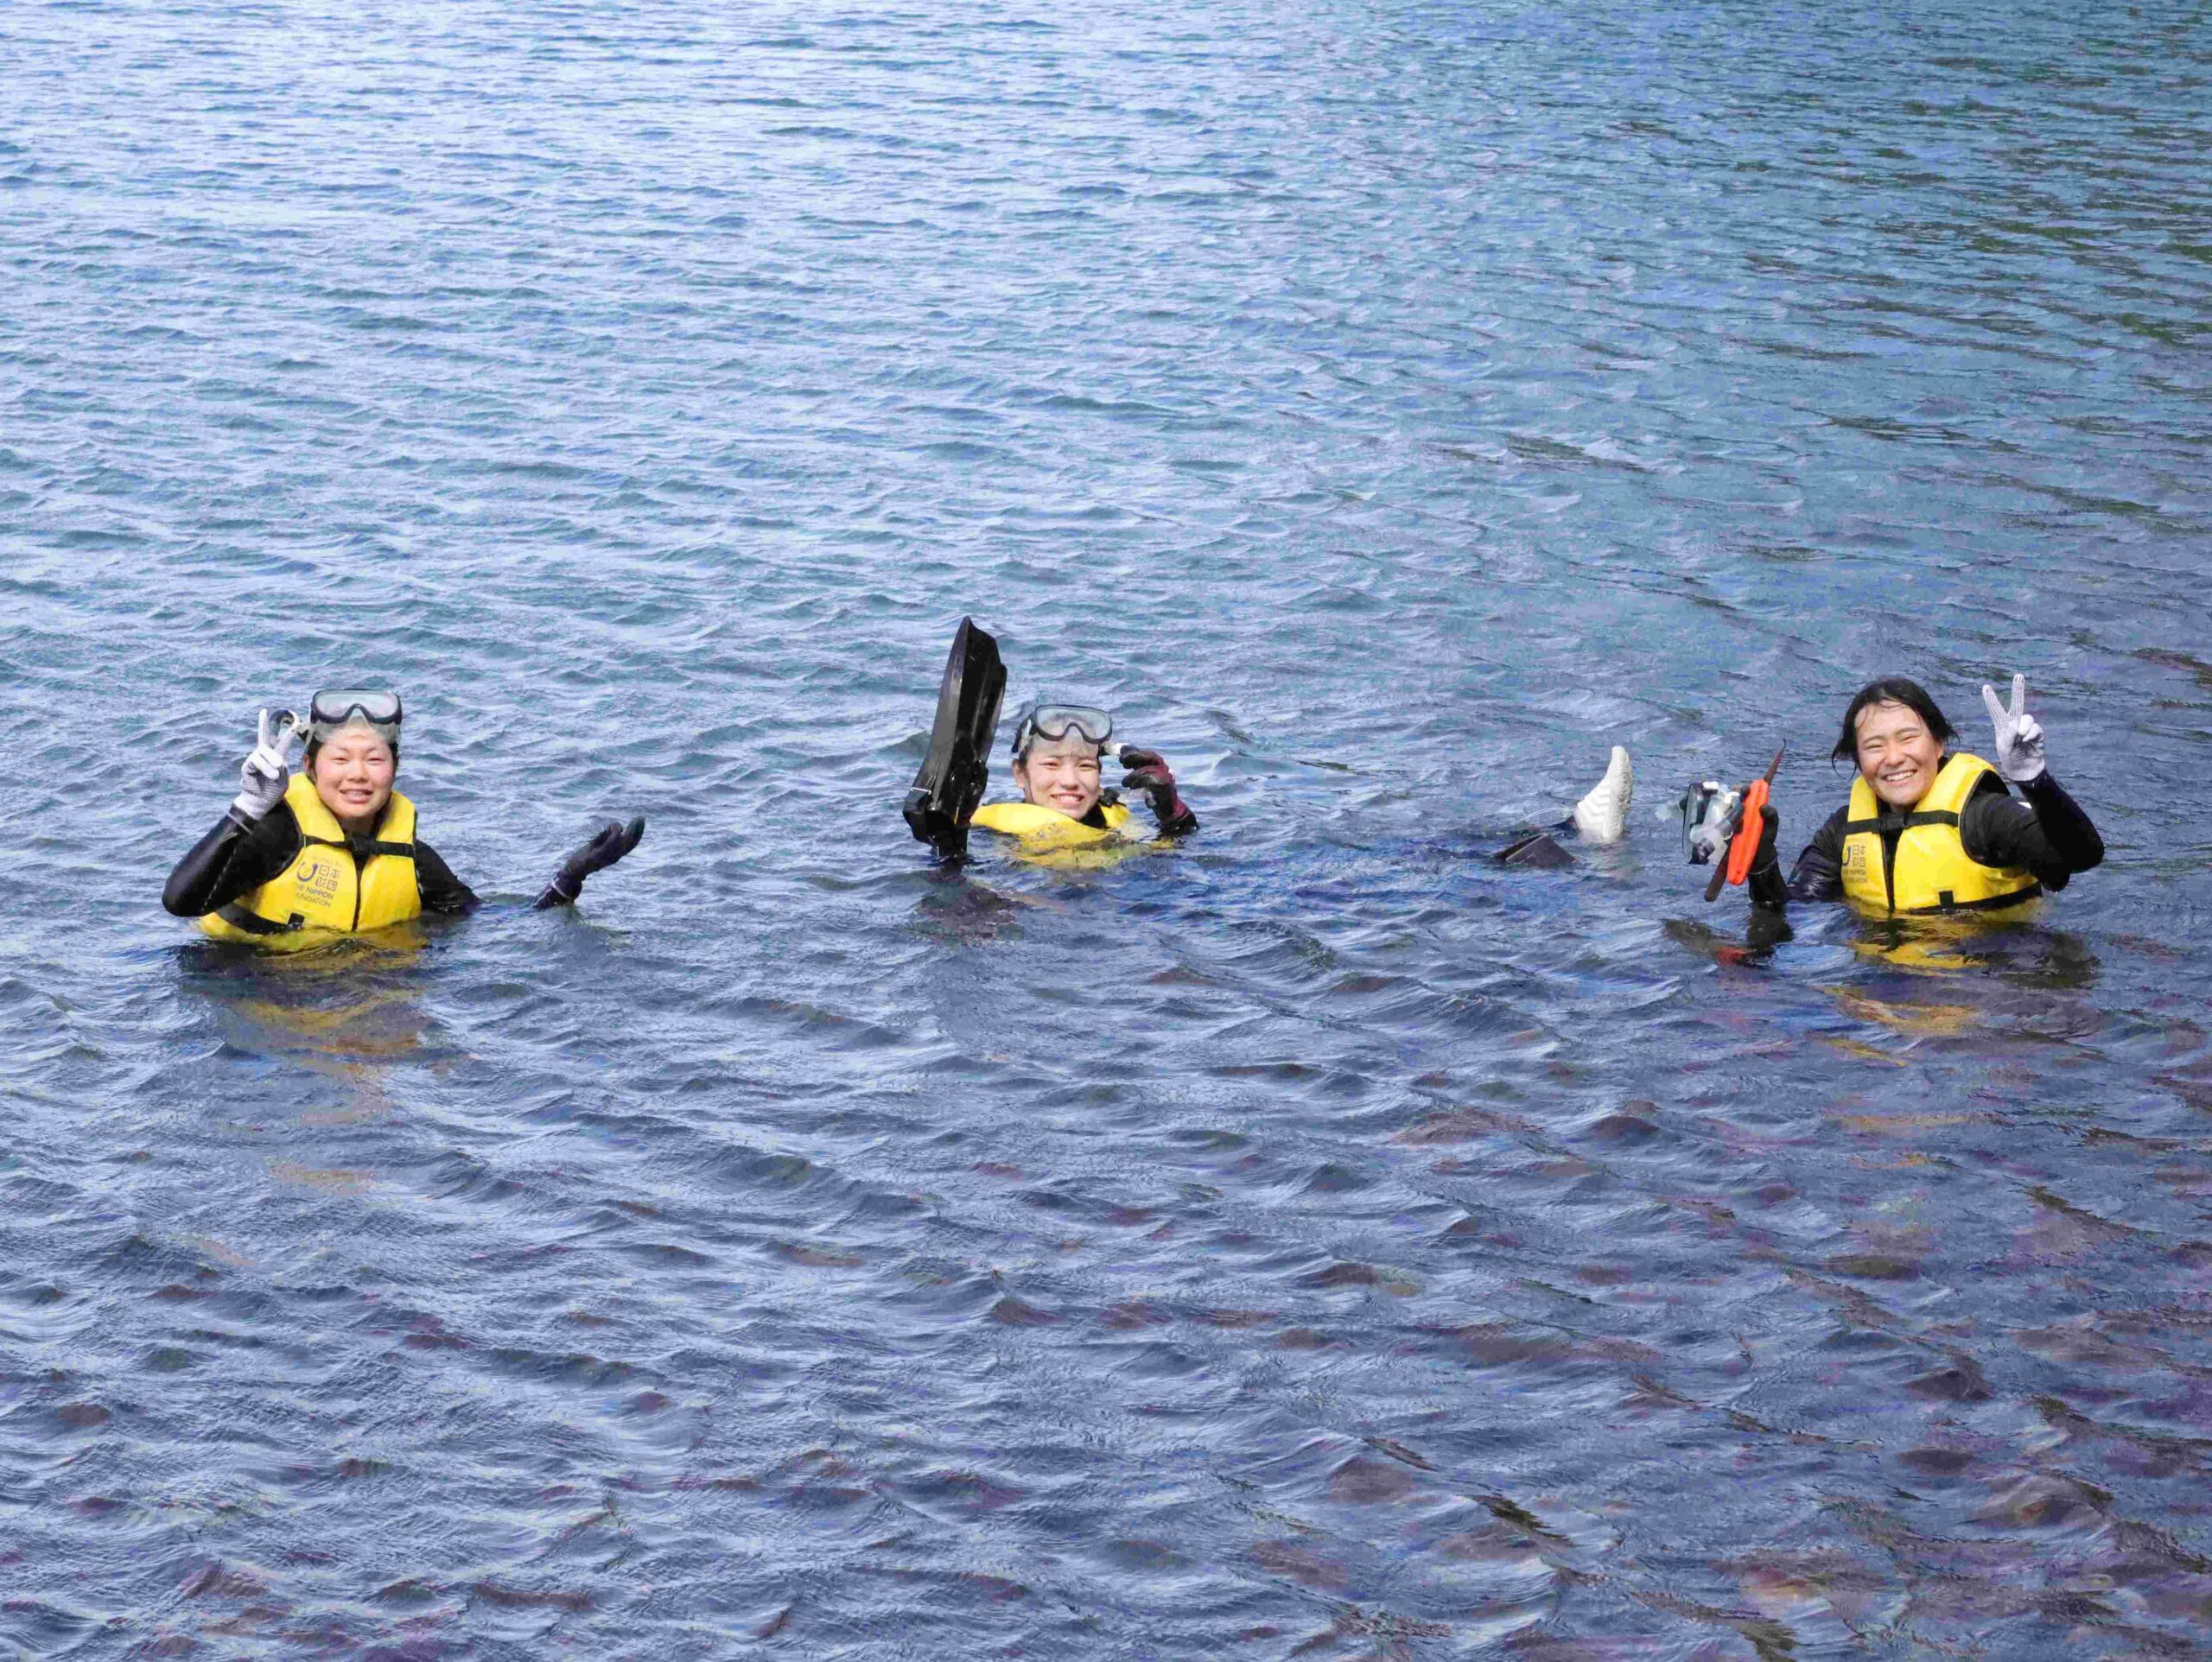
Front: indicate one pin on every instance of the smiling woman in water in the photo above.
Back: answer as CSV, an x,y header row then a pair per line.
x,y
1059,757
1930,830
332,850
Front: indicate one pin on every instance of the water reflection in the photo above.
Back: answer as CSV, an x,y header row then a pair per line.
x,y
2022,955
1323,1239
347,1011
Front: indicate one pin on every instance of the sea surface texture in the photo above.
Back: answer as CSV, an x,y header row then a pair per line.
x,y
1317,1240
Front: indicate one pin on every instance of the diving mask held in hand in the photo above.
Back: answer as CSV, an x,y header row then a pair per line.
x,y
1716,818
377,709
1709,811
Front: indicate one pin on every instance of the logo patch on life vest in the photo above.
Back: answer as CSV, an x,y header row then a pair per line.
x,y
319,881
1854,858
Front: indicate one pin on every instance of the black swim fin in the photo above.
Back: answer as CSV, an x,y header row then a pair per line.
x,y
951,781
1538,849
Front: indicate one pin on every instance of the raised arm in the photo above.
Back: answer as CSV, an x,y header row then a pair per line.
x,y
256,839
2048,834
1149,773
610,844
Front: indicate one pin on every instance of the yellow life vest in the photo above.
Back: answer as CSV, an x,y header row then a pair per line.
x,y
1045,836
328,888
1047,830
1931,871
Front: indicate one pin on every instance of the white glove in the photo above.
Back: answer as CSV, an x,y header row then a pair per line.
x,y
2020,735
265,773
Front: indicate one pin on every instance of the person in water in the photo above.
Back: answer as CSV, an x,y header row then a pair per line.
x,y
1600,816
333,847
1930,830
1059,752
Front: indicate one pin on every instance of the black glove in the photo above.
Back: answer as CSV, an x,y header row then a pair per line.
x,y
613,841
1768,891
1768,859
1150,774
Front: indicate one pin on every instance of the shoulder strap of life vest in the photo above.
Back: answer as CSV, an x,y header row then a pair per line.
x,y
316,823
1866,812
395,831
1961,775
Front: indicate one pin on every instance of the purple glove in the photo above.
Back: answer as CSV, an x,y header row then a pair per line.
x,y
1150,774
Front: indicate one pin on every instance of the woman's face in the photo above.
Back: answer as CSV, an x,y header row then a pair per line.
x,y
1897,756
353,774
1060,773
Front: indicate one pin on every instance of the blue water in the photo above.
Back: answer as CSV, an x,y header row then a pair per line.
x,y
1315,1242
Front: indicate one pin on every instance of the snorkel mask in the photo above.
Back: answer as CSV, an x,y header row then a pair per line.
x,y
1708,811
377,710
1053,722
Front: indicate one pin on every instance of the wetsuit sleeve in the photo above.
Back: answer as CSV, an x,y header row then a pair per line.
x,y
233,859
442,892
2048,834
1818,874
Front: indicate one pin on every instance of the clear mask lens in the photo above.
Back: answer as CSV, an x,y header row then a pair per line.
x,y
1055,721
1707,808
376,708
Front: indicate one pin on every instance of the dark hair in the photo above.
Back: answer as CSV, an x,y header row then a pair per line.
x,y
1890,689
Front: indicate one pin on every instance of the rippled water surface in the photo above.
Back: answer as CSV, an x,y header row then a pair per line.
x,y
1316,1241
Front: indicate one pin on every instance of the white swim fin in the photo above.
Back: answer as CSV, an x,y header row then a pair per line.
x,y
1602,817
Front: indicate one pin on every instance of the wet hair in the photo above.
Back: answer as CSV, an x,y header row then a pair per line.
x,y
1890,689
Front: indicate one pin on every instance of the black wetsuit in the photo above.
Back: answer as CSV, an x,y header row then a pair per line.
x,y
2047,836
234,860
